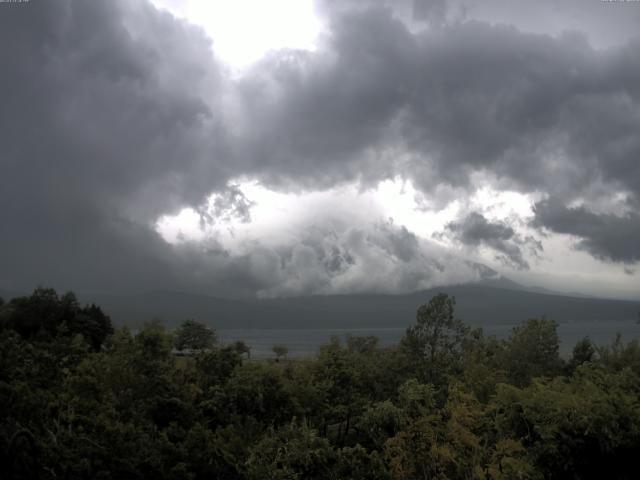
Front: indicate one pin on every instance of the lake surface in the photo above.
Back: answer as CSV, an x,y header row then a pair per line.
x,y
305,342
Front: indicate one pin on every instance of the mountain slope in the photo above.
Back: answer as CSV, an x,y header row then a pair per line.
x,y
476,305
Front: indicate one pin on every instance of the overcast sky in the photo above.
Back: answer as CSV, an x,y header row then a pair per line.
x,y
290,147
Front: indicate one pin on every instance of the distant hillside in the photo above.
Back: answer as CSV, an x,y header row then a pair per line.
x,y
476,305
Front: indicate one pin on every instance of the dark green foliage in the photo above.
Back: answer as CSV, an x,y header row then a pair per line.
x,y
434,343
533,351
257,391
193,335
359,463
43,315
78,401
367,344
280,351
215,366
583,352
583,427
290,452
619,355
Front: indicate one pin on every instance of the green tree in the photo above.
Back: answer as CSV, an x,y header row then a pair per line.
x,y
356,463
193,335
584,351
43,314
153,342
93,324
434,344
381,421
257,390
291,452
619,355
363,345
281,351
342,372
587,426
533,351
483,364
420,450
36,315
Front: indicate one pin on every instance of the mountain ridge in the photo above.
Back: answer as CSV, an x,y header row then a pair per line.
x,y
490,301
476,305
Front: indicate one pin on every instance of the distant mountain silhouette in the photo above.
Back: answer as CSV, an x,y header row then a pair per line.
x,y
493,300
477,304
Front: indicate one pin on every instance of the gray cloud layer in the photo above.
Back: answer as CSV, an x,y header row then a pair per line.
x,y
104,126
456,99
535,112
475,229
114,113
380,258
605,236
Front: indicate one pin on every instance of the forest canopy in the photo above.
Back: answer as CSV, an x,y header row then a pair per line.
x,y
80,399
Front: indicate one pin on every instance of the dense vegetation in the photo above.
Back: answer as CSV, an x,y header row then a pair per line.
x,y
80,400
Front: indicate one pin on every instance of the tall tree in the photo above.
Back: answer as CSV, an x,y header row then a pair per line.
x,y
533,351
44,314
194,335
434,343
281,351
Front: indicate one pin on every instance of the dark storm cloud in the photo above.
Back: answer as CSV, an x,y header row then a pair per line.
x,y
112,116
316,117
605,23
432,11
537,113
114,113
95,106
399,242
475,230
103,127
605,236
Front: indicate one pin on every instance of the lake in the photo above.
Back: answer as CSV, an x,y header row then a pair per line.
x,y
305,342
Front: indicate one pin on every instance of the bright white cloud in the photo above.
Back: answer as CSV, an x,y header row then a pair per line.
x,y
277,217
243,31
354,220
